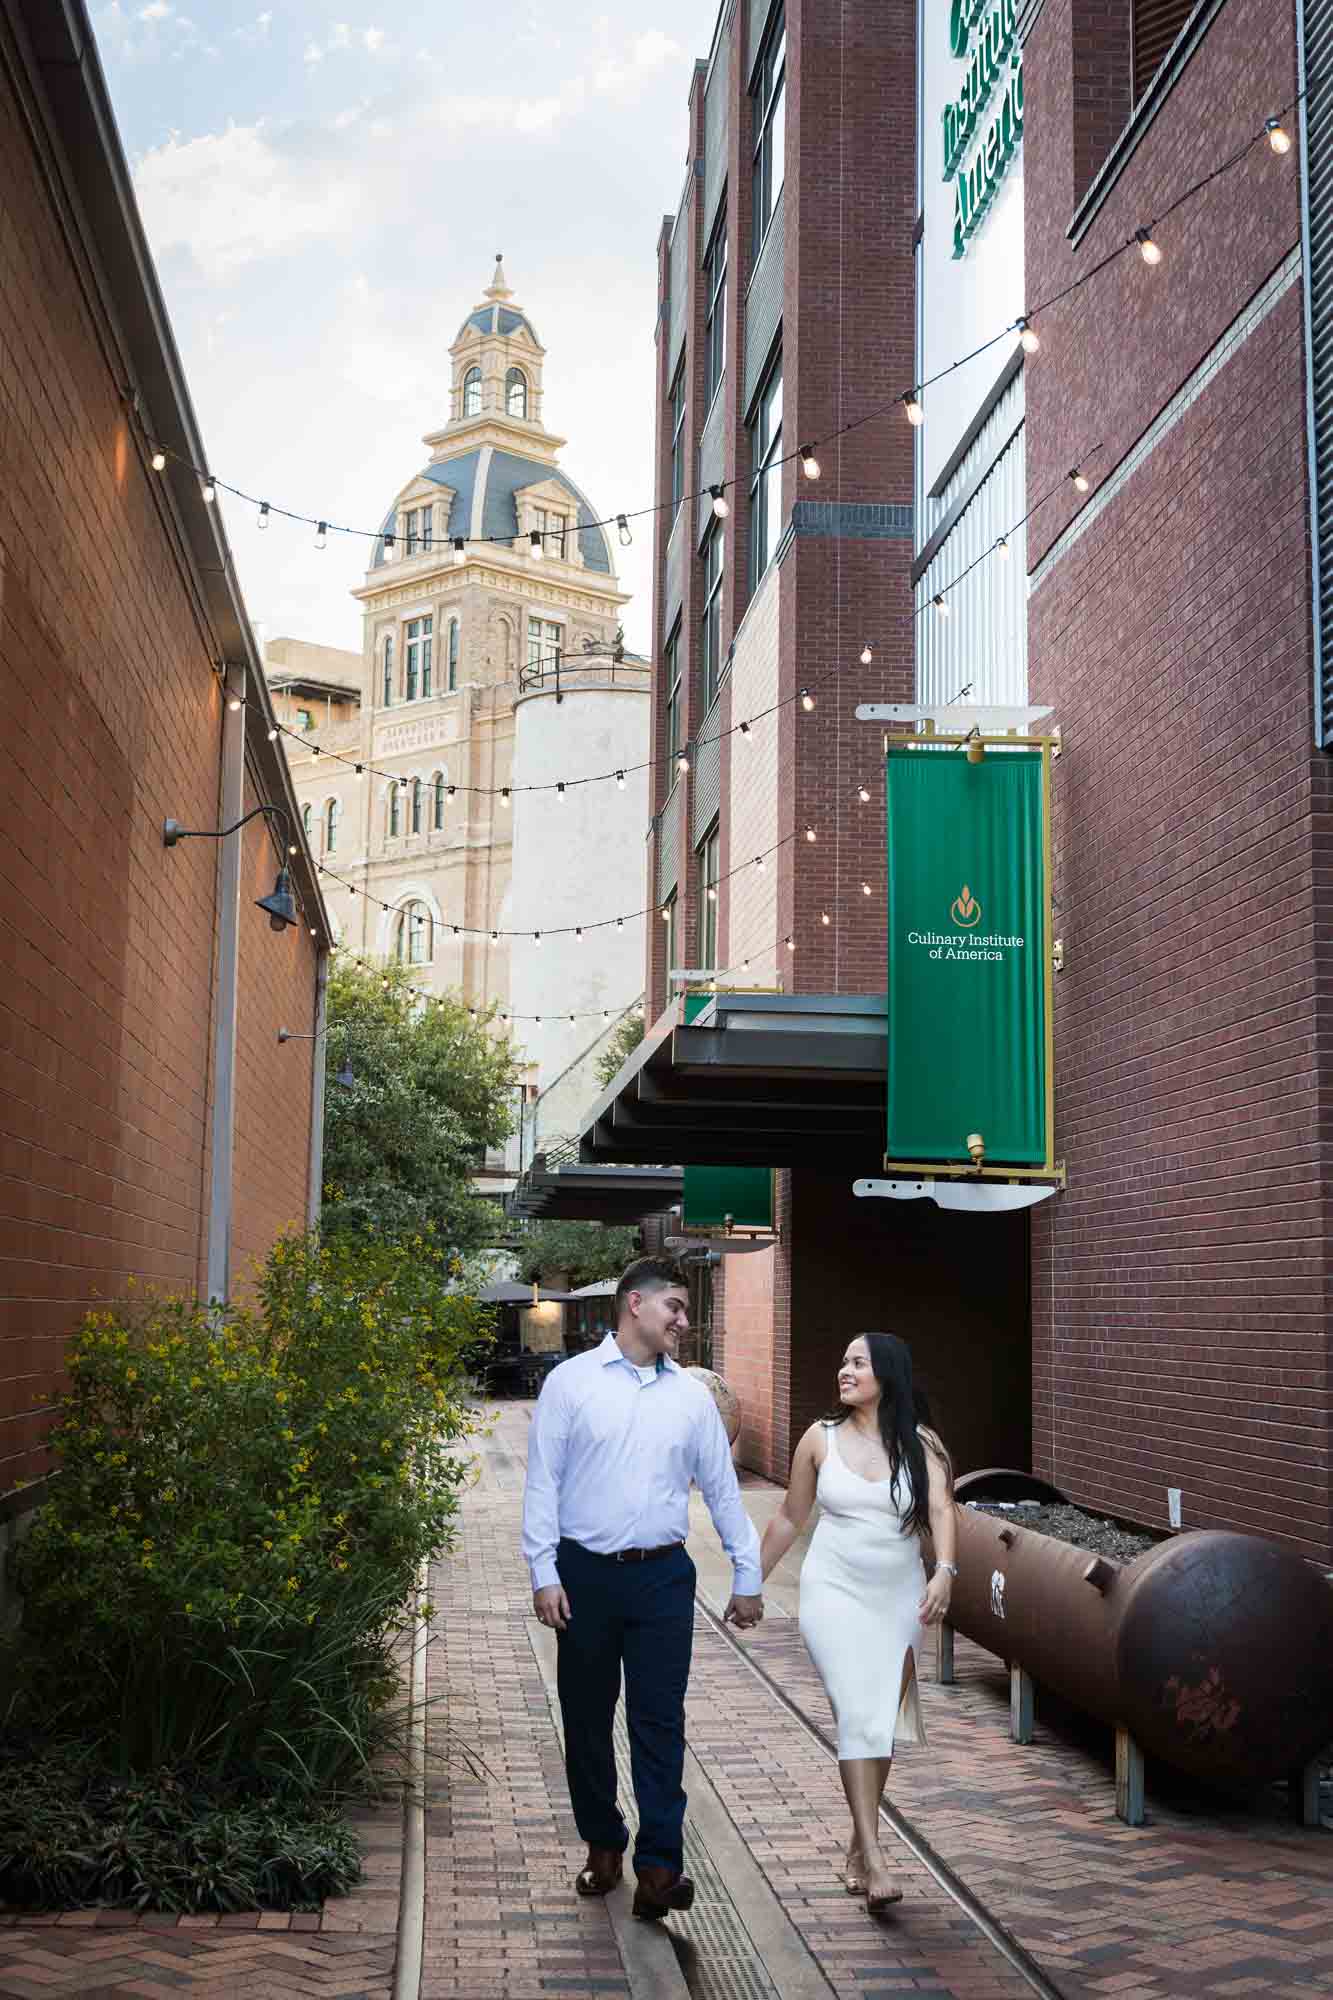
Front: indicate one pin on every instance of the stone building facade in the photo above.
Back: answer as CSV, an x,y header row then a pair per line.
x,y
491,671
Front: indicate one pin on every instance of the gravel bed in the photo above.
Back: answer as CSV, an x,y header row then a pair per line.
x,y
1070,1524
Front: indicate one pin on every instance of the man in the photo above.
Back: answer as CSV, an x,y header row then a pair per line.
x,y
617,1436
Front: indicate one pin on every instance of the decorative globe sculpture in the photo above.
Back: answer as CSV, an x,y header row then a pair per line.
x,y
728,1402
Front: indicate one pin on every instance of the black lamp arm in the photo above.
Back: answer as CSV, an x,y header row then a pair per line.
x,y
172,830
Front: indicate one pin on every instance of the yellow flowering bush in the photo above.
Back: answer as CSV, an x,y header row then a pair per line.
x,y
245,1498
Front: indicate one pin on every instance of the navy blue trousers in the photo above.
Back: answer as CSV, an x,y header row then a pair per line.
x,y
639,1616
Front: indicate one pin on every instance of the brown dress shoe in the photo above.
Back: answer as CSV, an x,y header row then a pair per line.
x,y
659,1891
605,1867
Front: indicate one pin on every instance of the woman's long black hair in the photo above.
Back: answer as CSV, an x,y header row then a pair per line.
x,y
902,1406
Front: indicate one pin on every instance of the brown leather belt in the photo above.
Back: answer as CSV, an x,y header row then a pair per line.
x,y
632,1555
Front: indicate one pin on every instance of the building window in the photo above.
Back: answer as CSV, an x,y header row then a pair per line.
x,y
453,652
388,670
678,437
710,625
670,928
1153,26
416,530
472,393
414,939
304,719
516,393
437,802
769,100
766,474
673,720
544,644
715,310
709,855
307,820
417,801
395,810
552,527
332,814
417,658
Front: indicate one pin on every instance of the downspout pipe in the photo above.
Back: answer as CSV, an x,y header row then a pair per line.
x,y
232,805
318,1058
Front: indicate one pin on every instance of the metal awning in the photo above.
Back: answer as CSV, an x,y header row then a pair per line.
x,y
562,1190
757,1079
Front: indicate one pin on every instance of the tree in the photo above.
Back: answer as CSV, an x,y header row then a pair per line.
x,y
625,1038
432,1087
585,1251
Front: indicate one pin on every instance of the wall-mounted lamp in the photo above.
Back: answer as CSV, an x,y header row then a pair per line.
x,y
346,1075
976,1147
280,904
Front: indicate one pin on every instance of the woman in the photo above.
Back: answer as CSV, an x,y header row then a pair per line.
x,y
882,1481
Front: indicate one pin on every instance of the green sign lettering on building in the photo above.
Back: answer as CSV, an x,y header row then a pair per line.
x,y
994,66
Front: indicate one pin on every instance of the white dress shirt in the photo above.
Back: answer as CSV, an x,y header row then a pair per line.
x,y
611,1458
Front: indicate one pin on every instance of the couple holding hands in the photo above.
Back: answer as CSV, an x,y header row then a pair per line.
x,y
618,1435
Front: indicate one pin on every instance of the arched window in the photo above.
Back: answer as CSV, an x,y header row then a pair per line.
x,y
414,939
306,818
416,805
453,652
437,802
332,814
472,393
516,393
395,811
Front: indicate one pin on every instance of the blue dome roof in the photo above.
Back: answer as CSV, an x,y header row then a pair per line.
x,y
498,319
506,475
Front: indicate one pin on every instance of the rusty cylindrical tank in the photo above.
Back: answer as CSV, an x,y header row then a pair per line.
x,y
1215,1650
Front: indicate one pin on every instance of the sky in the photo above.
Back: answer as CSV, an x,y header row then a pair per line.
x,y
325,189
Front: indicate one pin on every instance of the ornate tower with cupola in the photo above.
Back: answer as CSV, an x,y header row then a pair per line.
x,y
491,672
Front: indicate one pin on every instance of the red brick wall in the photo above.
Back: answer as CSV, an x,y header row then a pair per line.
x,y
1180,1286
110,720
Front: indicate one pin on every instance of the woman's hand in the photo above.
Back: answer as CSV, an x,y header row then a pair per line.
x,y
935,1604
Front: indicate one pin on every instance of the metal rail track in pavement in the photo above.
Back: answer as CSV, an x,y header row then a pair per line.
x,y
911,1836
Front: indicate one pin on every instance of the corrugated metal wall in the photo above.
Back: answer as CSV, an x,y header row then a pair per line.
x,y
1316,27
715,123
674,581
983,639
712,459
707,774
679,277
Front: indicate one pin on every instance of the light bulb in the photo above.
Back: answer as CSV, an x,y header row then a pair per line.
x,y
620,923
292,850
810,835
825,918
865,888
721,505
1148,249
560,788
867,654
682,763
504,795
1027,336
665,913
537,938
273,734
159,461
744,728
535,549
913,406
235,703
809,463
578,933
790,942
360,770
1002,546
938,601
863,793
460,552
1279,140
807,700
1080,480
712,893
262,522
210,491
314,748
759,863
620,781
623,530
388,540
322,535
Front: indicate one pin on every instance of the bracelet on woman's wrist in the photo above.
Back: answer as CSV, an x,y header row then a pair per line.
x,y
950,1569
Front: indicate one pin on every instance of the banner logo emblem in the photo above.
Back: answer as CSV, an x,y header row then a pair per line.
x,y
965,910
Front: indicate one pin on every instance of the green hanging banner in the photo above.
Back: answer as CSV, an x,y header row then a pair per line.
x,y
969,959
714,1198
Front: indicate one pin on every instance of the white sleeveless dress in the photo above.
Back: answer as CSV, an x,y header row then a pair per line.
x,y
861,1583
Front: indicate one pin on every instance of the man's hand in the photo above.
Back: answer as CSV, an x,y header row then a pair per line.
x,y
742,1612
552,1606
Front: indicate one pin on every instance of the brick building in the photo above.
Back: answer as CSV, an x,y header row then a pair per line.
x,y
1181,1286
151,1124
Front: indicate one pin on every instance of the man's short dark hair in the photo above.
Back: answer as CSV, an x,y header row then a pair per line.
x,y
648,1274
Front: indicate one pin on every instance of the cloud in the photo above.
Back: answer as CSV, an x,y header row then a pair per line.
x,y
156,10
252,33
647,54
374,40
232,198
